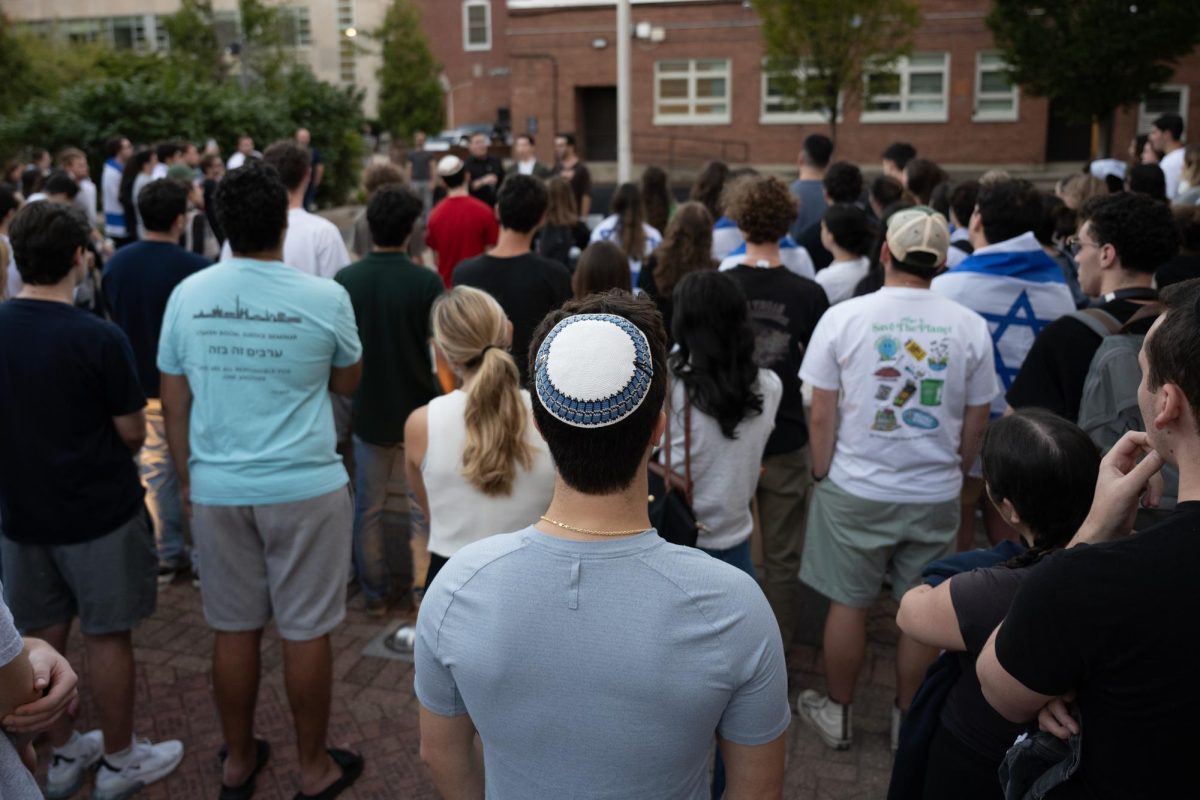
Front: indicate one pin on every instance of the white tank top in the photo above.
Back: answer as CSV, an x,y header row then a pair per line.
x,y
460,514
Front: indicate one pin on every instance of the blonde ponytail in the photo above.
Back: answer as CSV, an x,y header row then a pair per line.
x,y
471,328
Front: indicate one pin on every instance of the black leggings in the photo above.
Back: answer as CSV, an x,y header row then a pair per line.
x,y
956,771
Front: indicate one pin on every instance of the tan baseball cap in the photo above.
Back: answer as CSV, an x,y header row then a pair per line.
x,y
450,165
918,236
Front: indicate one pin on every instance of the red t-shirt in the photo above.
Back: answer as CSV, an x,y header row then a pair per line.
x,y
459,228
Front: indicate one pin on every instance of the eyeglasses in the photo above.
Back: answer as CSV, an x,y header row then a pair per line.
x,y
1075,245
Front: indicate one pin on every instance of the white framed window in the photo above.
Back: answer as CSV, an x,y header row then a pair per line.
x,y
691,91
477,25
1167,99
996,96
777,109
915,90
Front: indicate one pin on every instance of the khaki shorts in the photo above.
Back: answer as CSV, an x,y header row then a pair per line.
x,y
284,560
110,583
850,542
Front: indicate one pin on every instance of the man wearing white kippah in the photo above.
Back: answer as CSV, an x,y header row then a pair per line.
x,y
902,381
592,658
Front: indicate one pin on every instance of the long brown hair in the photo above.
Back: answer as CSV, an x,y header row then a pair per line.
x,y
686,246
560,209
470,327
627,205
656,198
601,267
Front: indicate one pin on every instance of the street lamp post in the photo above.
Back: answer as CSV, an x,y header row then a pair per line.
x,y
624,137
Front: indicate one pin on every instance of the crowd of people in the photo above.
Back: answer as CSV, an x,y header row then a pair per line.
x,y
968,393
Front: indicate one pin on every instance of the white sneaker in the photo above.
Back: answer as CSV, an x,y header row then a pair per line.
x,y
146,764
831,720
897,721
69,764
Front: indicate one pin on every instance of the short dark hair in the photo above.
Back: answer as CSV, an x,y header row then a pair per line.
x,y
886,190
1140,229
1148,180
606,459
922,177
1187,222
160,203
569,138
962,201
818,149
112,146
521,201
391,213
899,153
527,136
290,160
1046,467
1008,208
252,207
165,150
762,207
1173,349
44,239
455,180
848,226
1170,123
209,160
843,182
59,182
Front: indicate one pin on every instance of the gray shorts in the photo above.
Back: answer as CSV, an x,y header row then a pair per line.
x,y
850,542
287,560
110,583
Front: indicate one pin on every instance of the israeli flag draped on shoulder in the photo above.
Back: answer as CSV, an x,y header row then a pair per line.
x,y
726,238
1018,289
793,256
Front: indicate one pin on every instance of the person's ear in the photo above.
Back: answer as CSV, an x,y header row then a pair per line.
x,y
1170,405
660,428
1009,512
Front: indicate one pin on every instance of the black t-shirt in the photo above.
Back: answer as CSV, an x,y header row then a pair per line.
x,y
784,309
420,161
810,240
527,287
1054,371
663,300
65,475
480,167
1182,267
981,600
555,241
138,281
1117,622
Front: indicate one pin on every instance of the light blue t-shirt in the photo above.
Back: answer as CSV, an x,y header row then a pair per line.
x,y
256,341
599,669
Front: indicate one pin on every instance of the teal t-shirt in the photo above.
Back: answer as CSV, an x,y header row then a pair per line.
x,y
256,341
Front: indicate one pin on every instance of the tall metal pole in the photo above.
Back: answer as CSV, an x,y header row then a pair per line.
x,y
624,137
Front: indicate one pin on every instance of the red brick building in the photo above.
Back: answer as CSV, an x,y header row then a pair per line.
x,y
700,92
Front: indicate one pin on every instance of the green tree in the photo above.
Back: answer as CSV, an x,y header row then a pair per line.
x,y
1091,57
263,57
195,50
20,82
821,52
410,97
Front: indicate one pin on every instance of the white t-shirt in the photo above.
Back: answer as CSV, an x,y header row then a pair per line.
x,y
236,160
907,362
460,514
609,230
526,167
840,278
14,284
86,200
312,244
1172,167
724,471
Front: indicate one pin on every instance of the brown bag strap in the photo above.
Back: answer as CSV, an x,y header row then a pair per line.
x,y
1147,311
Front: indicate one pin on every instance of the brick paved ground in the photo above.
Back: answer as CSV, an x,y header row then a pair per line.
x,y
374,709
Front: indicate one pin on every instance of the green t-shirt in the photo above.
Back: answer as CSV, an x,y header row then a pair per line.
x,y
392,298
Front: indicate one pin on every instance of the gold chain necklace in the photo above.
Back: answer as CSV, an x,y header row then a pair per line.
x,y
565,526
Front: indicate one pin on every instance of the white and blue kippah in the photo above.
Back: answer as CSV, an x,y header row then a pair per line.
x,y
593,370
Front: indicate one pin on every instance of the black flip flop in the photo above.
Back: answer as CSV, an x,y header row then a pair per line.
x,y
352,768
245,790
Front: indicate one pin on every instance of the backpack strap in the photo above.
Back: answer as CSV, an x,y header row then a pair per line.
x,y
1100,322
1147,311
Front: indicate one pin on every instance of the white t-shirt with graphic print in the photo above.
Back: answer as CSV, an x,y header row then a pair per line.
x,y
907,363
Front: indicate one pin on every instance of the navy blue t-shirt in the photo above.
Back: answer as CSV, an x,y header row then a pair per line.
x,y
65,475
138,281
